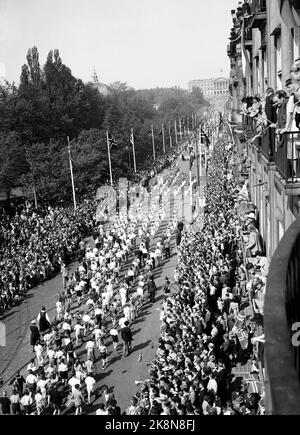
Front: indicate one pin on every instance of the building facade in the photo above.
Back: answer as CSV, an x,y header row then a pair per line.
x,y
211,87
264,45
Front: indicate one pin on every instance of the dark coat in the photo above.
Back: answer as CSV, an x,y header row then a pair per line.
x,y
126,334
34,335
151,287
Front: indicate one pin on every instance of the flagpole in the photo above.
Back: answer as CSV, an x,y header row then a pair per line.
x,y
170,136
200,155
109,160
176,138
163,138
33,183
72,177
197,144
180,131
153,142
191,186
133,150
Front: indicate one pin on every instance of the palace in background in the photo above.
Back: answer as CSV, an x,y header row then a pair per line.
x,y
211,87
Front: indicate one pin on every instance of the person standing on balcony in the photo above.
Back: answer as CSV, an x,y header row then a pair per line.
x,y
293,149
255,245
271,116
280,102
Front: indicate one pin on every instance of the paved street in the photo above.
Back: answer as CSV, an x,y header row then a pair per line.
x,y
121,373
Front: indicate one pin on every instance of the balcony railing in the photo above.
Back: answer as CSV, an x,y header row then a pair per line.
x,y
281,312
286,149
287,156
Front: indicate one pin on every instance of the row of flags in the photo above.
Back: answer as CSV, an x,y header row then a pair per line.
x,y
113,141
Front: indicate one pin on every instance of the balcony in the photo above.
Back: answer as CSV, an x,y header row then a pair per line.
x,y
281,312
287,159
259,12
286,153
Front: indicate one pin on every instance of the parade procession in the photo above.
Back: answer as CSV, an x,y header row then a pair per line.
x,y
149,235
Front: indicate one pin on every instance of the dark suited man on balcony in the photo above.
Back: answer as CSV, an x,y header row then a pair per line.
x,y
280,102
271,115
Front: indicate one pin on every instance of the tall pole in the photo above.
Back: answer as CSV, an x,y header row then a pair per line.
x,y
153,142
72,177
176,138
163,138
198,141
188,125
180,131
33,183
109,160
170,135
133,150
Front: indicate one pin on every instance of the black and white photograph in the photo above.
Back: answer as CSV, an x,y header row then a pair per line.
x,y
149,210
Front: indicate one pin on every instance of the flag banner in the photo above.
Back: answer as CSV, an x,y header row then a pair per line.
x,y
192,156
243,339
132,138
254,384
239,320
242,371
111,140
204,135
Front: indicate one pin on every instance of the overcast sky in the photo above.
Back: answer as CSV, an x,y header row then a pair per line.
x,y
146,43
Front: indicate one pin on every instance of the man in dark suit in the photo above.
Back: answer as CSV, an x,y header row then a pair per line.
x,y
271,115
126,335
280,102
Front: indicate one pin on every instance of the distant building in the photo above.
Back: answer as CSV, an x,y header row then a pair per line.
x,y
211,87
102,88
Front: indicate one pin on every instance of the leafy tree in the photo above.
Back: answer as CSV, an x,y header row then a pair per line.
x,y
12,163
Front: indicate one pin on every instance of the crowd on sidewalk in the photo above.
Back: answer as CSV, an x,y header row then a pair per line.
x,y
34,247
94,311
207,329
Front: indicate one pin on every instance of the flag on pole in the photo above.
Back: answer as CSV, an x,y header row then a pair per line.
x,y
254,384
243,339
192,156
239,320
111,140
204,135
132,138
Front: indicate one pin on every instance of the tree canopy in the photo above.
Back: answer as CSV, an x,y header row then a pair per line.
x,y
50,104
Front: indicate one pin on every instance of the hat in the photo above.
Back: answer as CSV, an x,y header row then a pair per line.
x,y
251,216
43,310
33,321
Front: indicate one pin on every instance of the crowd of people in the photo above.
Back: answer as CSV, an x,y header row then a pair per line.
x,y
35,246
207,328
277,115
94,312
